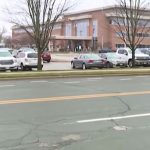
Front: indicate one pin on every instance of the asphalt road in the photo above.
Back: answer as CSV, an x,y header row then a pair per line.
x,y
57,66
75,114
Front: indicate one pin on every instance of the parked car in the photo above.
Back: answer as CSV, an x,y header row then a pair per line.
x,y
6,49
27,60
85,61
141,59
46,56
7,61
115,59
144,50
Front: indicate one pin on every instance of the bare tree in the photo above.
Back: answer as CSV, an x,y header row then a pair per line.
x,y
2,32
7,41
39,19
132,23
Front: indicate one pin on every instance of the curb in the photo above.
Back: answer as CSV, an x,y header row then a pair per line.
x,y
74,73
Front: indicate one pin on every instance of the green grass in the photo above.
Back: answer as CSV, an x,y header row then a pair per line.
x,y
75,73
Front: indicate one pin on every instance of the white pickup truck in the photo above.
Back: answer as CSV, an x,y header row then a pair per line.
x,y
141,59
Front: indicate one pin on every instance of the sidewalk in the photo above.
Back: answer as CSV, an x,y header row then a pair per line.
x,y
63,57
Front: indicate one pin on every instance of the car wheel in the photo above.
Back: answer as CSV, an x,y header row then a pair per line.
x,y
48,60
72,65
108,65
30,69
22,67
83,66
130,63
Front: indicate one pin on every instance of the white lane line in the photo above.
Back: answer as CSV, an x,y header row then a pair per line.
x,y
125,79
73,82
40,81
2,86
141,76
113,118
94,78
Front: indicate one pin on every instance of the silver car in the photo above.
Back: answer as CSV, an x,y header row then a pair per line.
x,y
85,61
116,59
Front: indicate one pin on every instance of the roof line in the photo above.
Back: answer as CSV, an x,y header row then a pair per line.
x,y
95,9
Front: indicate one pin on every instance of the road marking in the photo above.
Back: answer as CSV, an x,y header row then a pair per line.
x,y
2,86
120,128
94,78
113,118
40,81
78,97
125,79
73,82
141,76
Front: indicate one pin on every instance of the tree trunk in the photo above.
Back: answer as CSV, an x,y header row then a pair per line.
x,y
39,60
133,57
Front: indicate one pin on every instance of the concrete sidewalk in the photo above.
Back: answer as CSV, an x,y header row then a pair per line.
x,y
63,57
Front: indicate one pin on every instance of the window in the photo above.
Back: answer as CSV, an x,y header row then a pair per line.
x,y
57,26
32,55
82,28
121,51
95,28
119,45
68,31
5,54
21,55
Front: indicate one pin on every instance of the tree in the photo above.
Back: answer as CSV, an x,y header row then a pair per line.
x,y
7,40
2,32
131,23
38,20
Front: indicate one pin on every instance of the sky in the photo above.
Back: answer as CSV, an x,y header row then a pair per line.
x,y
80,5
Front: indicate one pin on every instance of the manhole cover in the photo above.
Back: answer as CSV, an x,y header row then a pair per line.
x,y
120,128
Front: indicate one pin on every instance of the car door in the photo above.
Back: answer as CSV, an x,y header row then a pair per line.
x,y
79,61
20,58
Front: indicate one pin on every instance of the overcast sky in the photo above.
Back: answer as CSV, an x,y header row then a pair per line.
x,y
81,5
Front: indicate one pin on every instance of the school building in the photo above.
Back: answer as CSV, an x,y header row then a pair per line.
x,y
84,30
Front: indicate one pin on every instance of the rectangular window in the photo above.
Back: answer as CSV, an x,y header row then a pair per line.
x,y
119,45
68,30
95,30
82,28
57,26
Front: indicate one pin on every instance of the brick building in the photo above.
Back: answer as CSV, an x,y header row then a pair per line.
x,y
85,30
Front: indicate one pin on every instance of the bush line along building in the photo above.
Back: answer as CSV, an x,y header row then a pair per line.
x,y
83,30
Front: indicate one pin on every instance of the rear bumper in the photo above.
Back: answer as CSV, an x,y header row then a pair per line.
x,y
46,58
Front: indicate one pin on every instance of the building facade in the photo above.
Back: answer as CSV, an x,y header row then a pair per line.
x,y
85,31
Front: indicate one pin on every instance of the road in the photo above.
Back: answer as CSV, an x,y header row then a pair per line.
x,y
57,66
75,114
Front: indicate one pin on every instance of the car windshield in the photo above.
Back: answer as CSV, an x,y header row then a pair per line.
x,y
32,55
138,51
5,54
